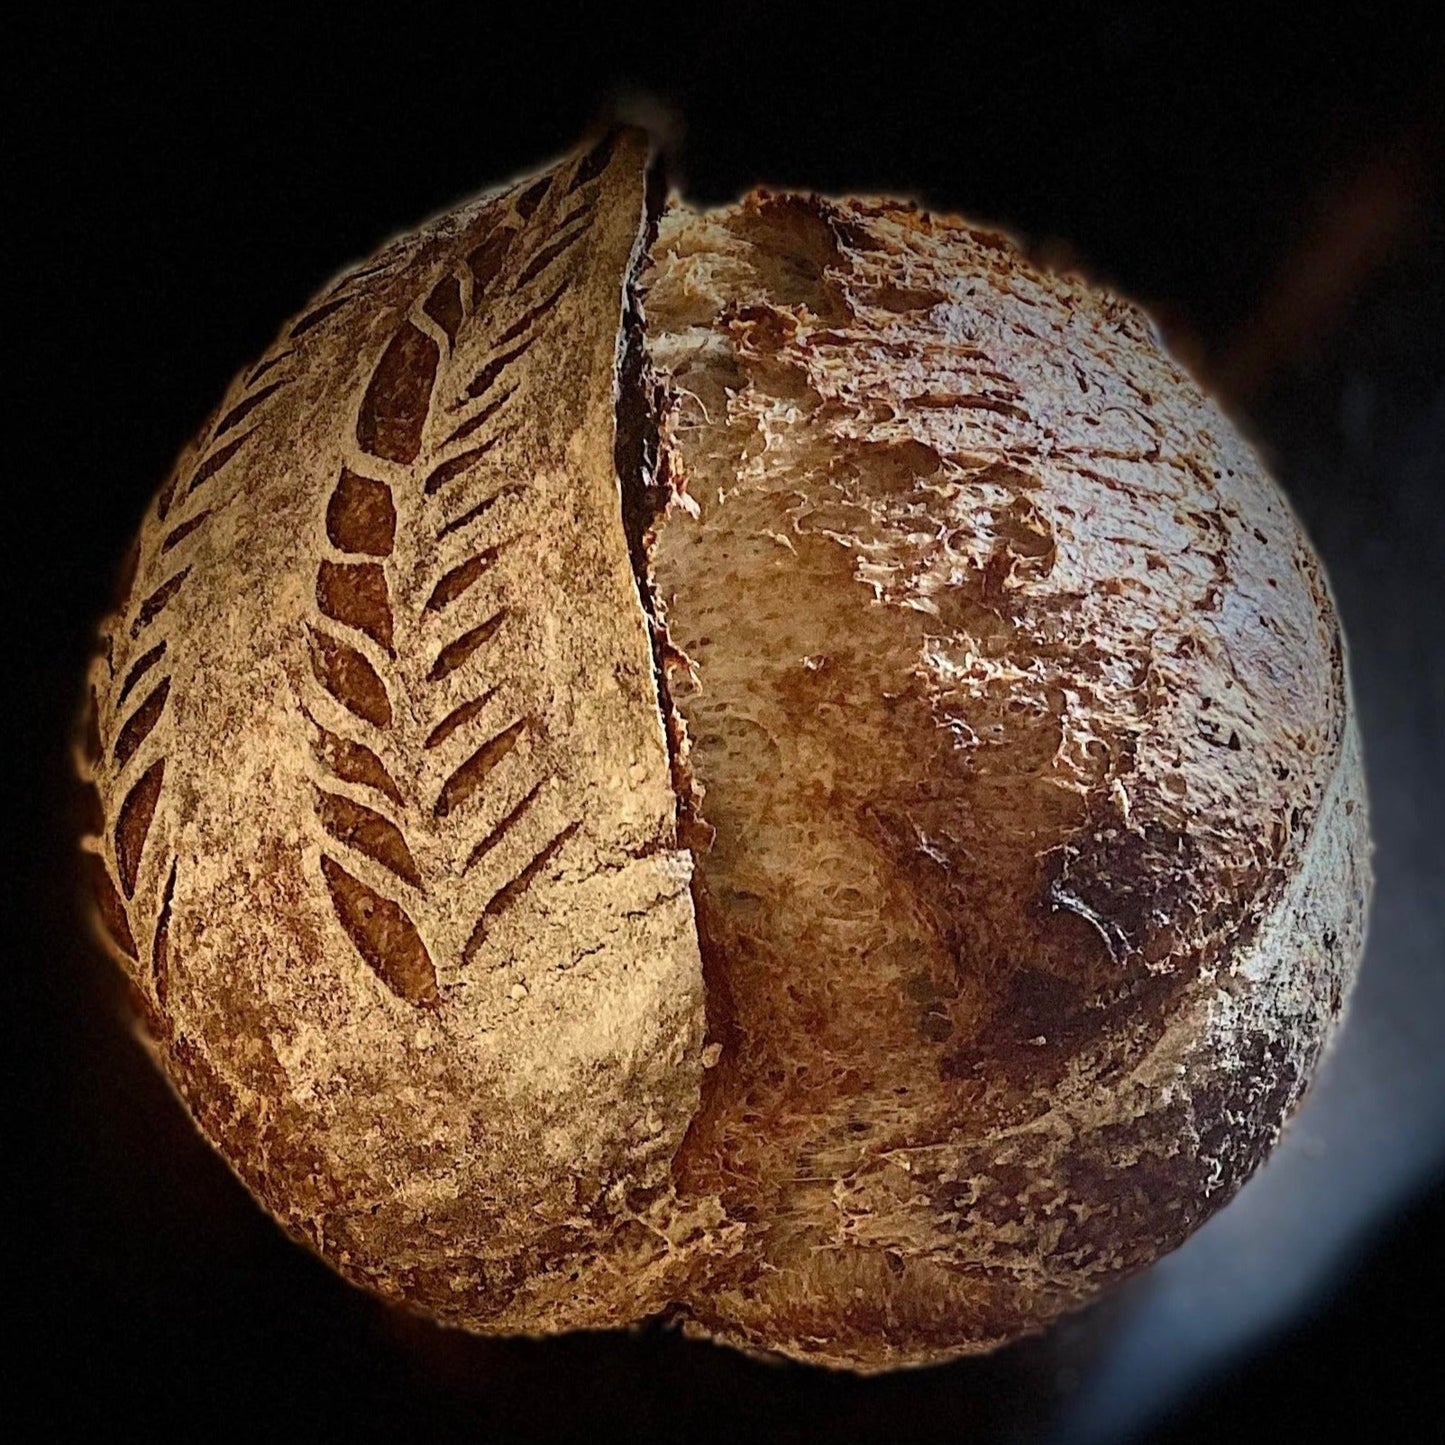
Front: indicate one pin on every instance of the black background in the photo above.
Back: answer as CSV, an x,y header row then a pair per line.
x,y
187,180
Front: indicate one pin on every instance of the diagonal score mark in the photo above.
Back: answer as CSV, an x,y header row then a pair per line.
x,y
178,534
456,652
138,670
458,717
383,935
474,514
318,314
139,725
246,406
160,942
508,894
156,603
261,368
460,578
481,383
529,316
133,825
545,257
369,832
347,675
503,826
217,460
474,772
351,761
482,417
449,470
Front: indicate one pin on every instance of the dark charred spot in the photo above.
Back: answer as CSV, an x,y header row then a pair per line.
x,y
1123,921
1038,1003
1131,885
1144,1185
1040,1022
1127,1200
1238,1119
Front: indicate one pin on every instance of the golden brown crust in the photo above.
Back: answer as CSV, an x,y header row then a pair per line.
x,y
390,849
1020,711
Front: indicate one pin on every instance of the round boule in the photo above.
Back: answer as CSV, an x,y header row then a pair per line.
x,y
780,764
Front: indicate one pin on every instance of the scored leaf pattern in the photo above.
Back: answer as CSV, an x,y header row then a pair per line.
x,y
404,684
122,758
400,663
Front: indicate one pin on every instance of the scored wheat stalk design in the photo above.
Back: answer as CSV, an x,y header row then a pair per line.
x,y
391,641
403,646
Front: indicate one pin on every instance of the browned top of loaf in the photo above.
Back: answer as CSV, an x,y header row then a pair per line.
x,y
1020,708
386,835
382,825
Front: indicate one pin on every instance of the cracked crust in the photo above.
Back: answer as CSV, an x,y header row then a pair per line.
x,y
1019,708
913,904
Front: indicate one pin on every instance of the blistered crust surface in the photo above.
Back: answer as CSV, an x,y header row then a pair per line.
x,y
383,830
1019,705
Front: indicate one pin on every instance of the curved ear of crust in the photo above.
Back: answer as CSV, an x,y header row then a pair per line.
x,y
387,836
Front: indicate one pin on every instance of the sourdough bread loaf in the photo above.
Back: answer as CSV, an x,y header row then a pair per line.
x,y
782,765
